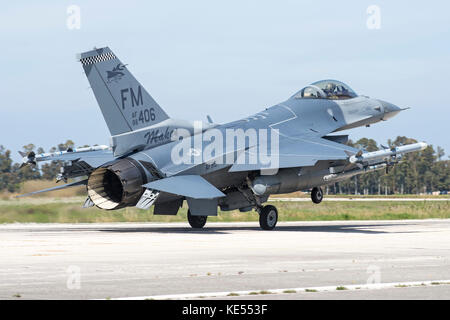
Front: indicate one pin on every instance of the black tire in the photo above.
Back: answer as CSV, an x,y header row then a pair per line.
x,y
316,195
196,222
268,217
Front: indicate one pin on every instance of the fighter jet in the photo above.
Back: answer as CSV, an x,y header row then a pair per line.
x,y
156,160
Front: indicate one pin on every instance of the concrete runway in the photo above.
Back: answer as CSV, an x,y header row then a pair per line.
x,y
98,261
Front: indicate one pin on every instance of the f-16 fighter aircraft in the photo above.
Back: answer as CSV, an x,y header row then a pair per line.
x,y
157,160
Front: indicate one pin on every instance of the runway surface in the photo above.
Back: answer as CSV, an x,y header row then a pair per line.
x,y
142,260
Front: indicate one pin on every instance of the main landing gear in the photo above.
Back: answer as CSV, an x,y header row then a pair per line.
x,y
268,217
316,195
196,222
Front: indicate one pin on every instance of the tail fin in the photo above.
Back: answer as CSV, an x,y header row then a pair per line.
x,y
125,104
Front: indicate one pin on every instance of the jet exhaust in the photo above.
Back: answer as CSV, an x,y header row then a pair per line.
x,y
117,184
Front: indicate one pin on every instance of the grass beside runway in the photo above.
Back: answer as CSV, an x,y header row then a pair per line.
x,y
68,211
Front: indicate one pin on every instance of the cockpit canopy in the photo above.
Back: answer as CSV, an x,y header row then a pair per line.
x,y
326,89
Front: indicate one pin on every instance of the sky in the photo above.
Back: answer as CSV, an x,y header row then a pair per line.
x,y
228,59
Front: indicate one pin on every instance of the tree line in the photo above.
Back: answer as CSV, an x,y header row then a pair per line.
x,y
418,172
12,176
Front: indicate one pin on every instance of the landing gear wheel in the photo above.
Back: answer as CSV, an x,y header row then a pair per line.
x,y
268,217
196,222
316,195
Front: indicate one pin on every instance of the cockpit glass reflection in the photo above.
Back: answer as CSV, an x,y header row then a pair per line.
x,y
326,89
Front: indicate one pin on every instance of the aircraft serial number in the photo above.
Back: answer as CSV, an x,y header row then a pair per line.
x,y
144,116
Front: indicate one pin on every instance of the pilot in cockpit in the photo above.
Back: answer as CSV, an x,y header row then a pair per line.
x,y
326,89
330,90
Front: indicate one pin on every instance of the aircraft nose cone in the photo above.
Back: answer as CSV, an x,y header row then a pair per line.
x,y
390,110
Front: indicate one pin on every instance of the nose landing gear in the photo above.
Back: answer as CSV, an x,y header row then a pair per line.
x,y
316,195
196,222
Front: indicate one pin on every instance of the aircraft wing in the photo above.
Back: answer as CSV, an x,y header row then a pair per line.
x,y
76,162
295,152
92,155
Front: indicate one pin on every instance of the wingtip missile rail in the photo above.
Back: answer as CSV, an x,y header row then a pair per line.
x,y
32,157
387,154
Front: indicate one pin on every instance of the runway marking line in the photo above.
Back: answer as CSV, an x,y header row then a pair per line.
x,y
350,287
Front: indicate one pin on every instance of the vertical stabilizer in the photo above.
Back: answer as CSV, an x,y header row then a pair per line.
x,y
125,104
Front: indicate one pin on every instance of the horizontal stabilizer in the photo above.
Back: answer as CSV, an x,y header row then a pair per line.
x,y
189,186
69,185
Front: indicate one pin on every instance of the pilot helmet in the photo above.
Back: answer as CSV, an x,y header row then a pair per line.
x,y
330,87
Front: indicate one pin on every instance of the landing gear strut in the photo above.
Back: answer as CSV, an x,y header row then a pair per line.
x,y
316,195
268,217
196,222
